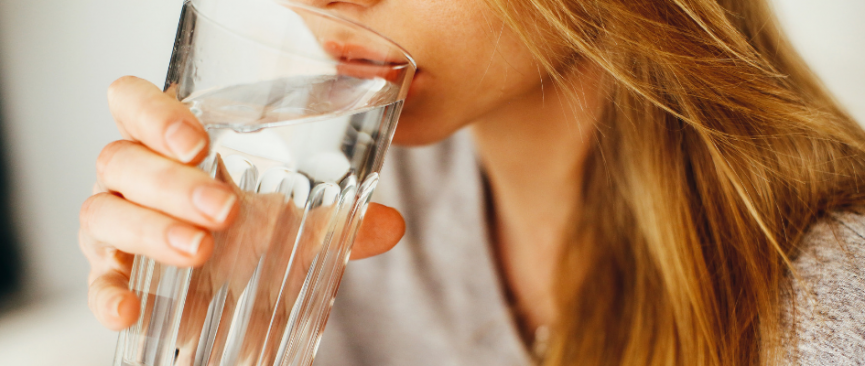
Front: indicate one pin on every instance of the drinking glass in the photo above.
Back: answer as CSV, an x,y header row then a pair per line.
x,y
300,107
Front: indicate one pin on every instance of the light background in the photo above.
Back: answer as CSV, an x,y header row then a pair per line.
x,y
57,58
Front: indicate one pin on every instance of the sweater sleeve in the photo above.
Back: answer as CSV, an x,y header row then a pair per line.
x,y
826,311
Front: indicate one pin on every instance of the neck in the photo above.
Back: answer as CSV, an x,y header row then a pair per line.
x,y
532,152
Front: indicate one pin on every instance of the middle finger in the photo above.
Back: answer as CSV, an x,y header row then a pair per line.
x,y
151,180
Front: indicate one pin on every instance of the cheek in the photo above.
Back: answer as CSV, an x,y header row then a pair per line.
x,y
469,65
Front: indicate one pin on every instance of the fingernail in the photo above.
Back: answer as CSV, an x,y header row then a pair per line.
x,y
184,140
114,305
185,239
213,201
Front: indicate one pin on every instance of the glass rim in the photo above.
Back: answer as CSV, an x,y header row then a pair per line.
x,y
291,4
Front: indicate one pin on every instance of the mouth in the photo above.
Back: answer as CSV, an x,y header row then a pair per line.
x,y
367,63
353,60
364,62
356,54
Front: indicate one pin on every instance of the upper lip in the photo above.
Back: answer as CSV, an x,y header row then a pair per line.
x,y
351,53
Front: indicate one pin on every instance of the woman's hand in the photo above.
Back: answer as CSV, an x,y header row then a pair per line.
x,y
150,199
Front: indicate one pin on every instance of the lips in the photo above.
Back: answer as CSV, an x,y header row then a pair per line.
x,y
354,53
364,63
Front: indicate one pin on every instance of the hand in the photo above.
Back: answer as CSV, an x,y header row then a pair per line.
x,y
150,199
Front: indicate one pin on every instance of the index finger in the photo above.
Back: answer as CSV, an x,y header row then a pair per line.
x,y
144,113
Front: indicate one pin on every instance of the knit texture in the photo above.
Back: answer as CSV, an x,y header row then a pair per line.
x,y
825,311
436,299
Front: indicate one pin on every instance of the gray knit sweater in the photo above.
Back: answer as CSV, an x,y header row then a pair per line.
x,y
435,299
827,311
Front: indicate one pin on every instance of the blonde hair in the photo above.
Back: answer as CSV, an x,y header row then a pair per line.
x,y
717,150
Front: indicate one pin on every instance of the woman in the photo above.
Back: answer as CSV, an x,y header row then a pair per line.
x,y
643,182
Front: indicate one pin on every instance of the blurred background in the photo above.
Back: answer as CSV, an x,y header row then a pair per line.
x,y
57,57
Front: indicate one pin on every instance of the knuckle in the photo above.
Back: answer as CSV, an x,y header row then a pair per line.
x,y
93,291
84,243
81,240
90,248
117,86
89,209
91,276
106,158
93,214
98,188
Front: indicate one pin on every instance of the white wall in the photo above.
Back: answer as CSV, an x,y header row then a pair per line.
x,y
830,34
58,56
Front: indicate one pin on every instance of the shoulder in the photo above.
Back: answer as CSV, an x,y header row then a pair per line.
x,y
826,304
831,255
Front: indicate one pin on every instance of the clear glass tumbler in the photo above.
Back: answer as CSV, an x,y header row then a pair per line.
x,y
300,106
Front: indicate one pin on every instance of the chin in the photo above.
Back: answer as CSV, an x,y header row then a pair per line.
x,y
414,130
425,119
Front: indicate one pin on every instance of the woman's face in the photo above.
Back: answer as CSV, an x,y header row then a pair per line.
x,y
469,65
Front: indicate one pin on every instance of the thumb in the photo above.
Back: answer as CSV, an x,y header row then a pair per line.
x,y
381,229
